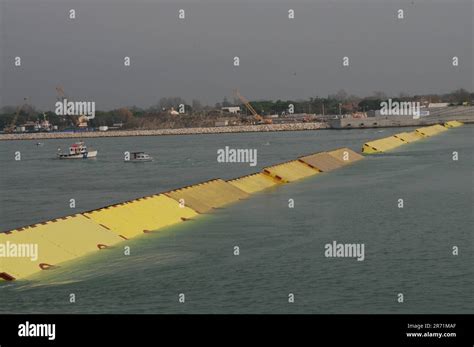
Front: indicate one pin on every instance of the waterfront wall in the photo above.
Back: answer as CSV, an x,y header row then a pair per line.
x,y
158,132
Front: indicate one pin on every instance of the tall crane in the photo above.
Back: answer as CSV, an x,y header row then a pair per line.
x,y
77,120
257,117
12,126
61,97
61,94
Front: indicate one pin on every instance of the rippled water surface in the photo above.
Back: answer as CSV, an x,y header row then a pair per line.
x,y
407,250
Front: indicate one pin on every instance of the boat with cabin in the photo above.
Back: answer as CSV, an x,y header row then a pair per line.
x,y
136,157
78,150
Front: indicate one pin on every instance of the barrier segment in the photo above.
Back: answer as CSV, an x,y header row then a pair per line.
x,y
254,183
453,124
382,145
135,217
409,137
17,267
345,155
57,241
290,171
431,130
157,211
322,161
116,218
205,196
77,234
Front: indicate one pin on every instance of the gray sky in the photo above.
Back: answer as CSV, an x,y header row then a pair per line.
x,y
193,58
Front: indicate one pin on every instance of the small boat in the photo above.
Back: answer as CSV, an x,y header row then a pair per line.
x,y
39,143
78,151
136,157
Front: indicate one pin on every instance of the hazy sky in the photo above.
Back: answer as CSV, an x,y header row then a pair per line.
x,y
193,58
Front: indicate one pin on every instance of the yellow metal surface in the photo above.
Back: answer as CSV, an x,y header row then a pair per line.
x,y
254,183
345,155
322,161
412,136
368,149
116,218
135,217
382,145
438,128
205,196
48,253
453,124
158,211
431,130
57,241
77,234
290,171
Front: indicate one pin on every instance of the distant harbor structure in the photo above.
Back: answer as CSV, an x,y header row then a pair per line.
x,y
436,115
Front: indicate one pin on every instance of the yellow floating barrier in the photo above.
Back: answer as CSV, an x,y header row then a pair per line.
x,y
254,183
453,124
205,196
70,237
56,241
322,161
146,214
382,145
431,130
290,171
409,137
388,143
345,155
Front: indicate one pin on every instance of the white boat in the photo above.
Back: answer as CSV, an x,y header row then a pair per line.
x,y
139,157
78,151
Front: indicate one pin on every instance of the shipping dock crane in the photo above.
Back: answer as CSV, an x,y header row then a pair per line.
x,y
255,114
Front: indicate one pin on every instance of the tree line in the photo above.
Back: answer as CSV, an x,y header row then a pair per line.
x,y
197,114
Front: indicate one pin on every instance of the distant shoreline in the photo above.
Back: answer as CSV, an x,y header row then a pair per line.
x,y
160,132
351,124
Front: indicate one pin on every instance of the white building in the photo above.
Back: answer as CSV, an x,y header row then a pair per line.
x,y
231,109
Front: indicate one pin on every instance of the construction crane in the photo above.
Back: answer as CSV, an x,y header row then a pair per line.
x,y
257,117
11,128
61,95
79,121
